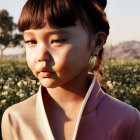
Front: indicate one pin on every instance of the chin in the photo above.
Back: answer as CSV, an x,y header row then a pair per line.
x,y
48,83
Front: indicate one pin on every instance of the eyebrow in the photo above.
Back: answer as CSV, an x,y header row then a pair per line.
x,y
47,33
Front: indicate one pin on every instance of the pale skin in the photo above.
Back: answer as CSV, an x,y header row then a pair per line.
x,y
59,59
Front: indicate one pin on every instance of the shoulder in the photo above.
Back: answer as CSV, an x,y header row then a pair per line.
x,y
113,108
22,107
118,106
14,114
120,112
124,118
136,128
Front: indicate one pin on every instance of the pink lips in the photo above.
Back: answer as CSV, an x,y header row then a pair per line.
x,y
45,74
43,70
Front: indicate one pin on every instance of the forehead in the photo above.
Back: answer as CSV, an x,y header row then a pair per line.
x,y
49,30
32,32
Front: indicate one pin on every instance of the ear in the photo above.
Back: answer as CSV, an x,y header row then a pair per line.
x,y
99,41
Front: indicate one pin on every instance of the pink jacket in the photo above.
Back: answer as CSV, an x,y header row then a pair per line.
x,y
101,117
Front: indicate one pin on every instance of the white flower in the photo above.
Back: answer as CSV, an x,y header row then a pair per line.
x,y
4,93
10,79
6,87
38,83
121,91
114,82
3,101
127,101
32,93
108,82
25,83
110,86
1,80
20,91
34,81
134,92
21,95
17,93
19,84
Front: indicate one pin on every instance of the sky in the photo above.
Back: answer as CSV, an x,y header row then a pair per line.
x,y
123,16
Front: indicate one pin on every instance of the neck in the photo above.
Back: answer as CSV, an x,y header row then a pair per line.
x,y
71,93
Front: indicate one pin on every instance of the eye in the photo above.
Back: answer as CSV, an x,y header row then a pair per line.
x,y
30,42
57,42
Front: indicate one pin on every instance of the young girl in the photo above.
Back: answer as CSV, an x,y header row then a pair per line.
x,y
60,38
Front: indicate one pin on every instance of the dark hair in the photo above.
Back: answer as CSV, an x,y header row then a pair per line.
x,y
64,13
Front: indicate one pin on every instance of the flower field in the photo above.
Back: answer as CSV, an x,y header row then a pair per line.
x,y
122,79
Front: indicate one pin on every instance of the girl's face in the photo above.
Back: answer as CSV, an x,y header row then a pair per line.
x,y
57,56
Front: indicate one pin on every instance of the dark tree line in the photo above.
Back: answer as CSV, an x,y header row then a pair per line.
x,y
8,36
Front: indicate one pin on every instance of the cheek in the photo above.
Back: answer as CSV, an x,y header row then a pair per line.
x,y
66,60
62,61
30,57
72,57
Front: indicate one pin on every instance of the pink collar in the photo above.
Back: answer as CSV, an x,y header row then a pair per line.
x,y
91,100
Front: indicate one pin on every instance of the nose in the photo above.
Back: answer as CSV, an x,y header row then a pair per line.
x,y
43,53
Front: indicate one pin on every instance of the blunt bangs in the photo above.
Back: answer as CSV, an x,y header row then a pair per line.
x,y
56,13
63,13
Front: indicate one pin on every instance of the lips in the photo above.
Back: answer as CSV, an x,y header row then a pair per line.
x,y
45,74
43,70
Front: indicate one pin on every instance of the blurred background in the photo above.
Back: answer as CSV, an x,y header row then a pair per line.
x,y
121,70
123,16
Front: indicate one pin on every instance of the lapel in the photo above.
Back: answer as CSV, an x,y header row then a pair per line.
x,y
95,97
91,100
42,119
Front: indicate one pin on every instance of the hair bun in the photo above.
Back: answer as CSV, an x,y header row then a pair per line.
x,y
102,3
